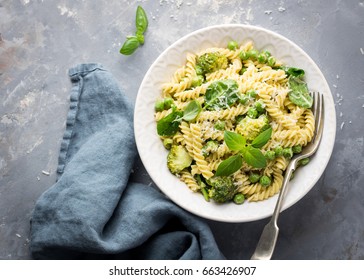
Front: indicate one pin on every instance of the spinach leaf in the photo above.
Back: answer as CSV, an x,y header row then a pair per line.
x,y
293,71
221,94
229,166
168,126
299,93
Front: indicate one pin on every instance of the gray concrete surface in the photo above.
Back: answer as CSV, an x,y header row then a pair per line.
x,y
40,40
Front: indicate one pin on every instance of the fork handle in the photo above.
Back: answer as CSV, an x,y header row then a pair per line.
x,y
268,239
282,194
267,242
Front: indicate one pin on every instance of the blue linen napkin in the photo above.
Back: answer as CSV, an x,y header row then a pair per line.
x,y
93,211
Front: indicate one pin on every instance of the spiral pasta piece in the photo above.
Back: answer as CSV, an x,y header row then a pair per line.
x,y
197,151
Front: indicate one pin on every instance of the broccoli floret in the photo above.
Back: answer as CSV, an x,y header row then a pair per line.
x,y
210,147
178,159
251,128
210,62
222,188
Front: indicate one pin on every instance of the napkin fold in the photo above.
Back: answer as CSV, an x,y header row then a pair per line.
x,y
93,211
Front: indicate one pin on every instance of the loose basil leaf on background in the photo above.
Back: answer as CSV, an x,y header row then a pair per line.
x,y
169,124
133,42
229,166
262,138
130,45
140,38
141,21
234,141
299,93
192,110
221,94
254,157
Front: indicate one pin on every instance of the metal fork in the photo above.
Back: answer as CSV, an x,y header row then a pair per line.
x,y
268,239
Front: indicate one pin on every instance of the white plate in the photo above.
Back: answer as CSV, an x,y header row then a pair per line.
x,y
153,154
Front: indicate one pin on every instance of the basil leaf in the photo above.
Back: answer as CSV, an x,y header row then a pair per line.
x,y
192,110
234,141
130,45
299,93
221,94
141,20
254,157
229,166
262,138
140,38
169,124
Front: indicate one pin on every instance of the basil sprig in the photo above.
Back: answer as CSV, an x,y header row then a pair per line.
x,y
250,153
133,42
169,125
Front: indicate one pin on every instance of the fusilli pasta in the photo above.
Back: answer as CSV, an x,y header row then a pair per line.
x,y
228,84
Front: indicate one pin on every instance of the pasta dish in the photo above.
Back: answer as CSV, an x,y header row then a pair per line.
x,y
231,119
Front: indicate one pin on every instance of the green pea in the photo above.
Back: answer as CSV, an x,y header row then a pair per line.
x,y
159,105
252,113
265,181
271,61
167,103
270,155
244,55
304,161
278,151
167,143
287,152
239,198
254,177
219,125
266,53
262,58
197,81
244,99
253,54
252,93
297,149
259,105
233,45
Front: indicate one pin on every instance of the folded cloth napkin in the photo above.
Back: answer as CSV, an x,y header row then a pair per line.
x,y
93,211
